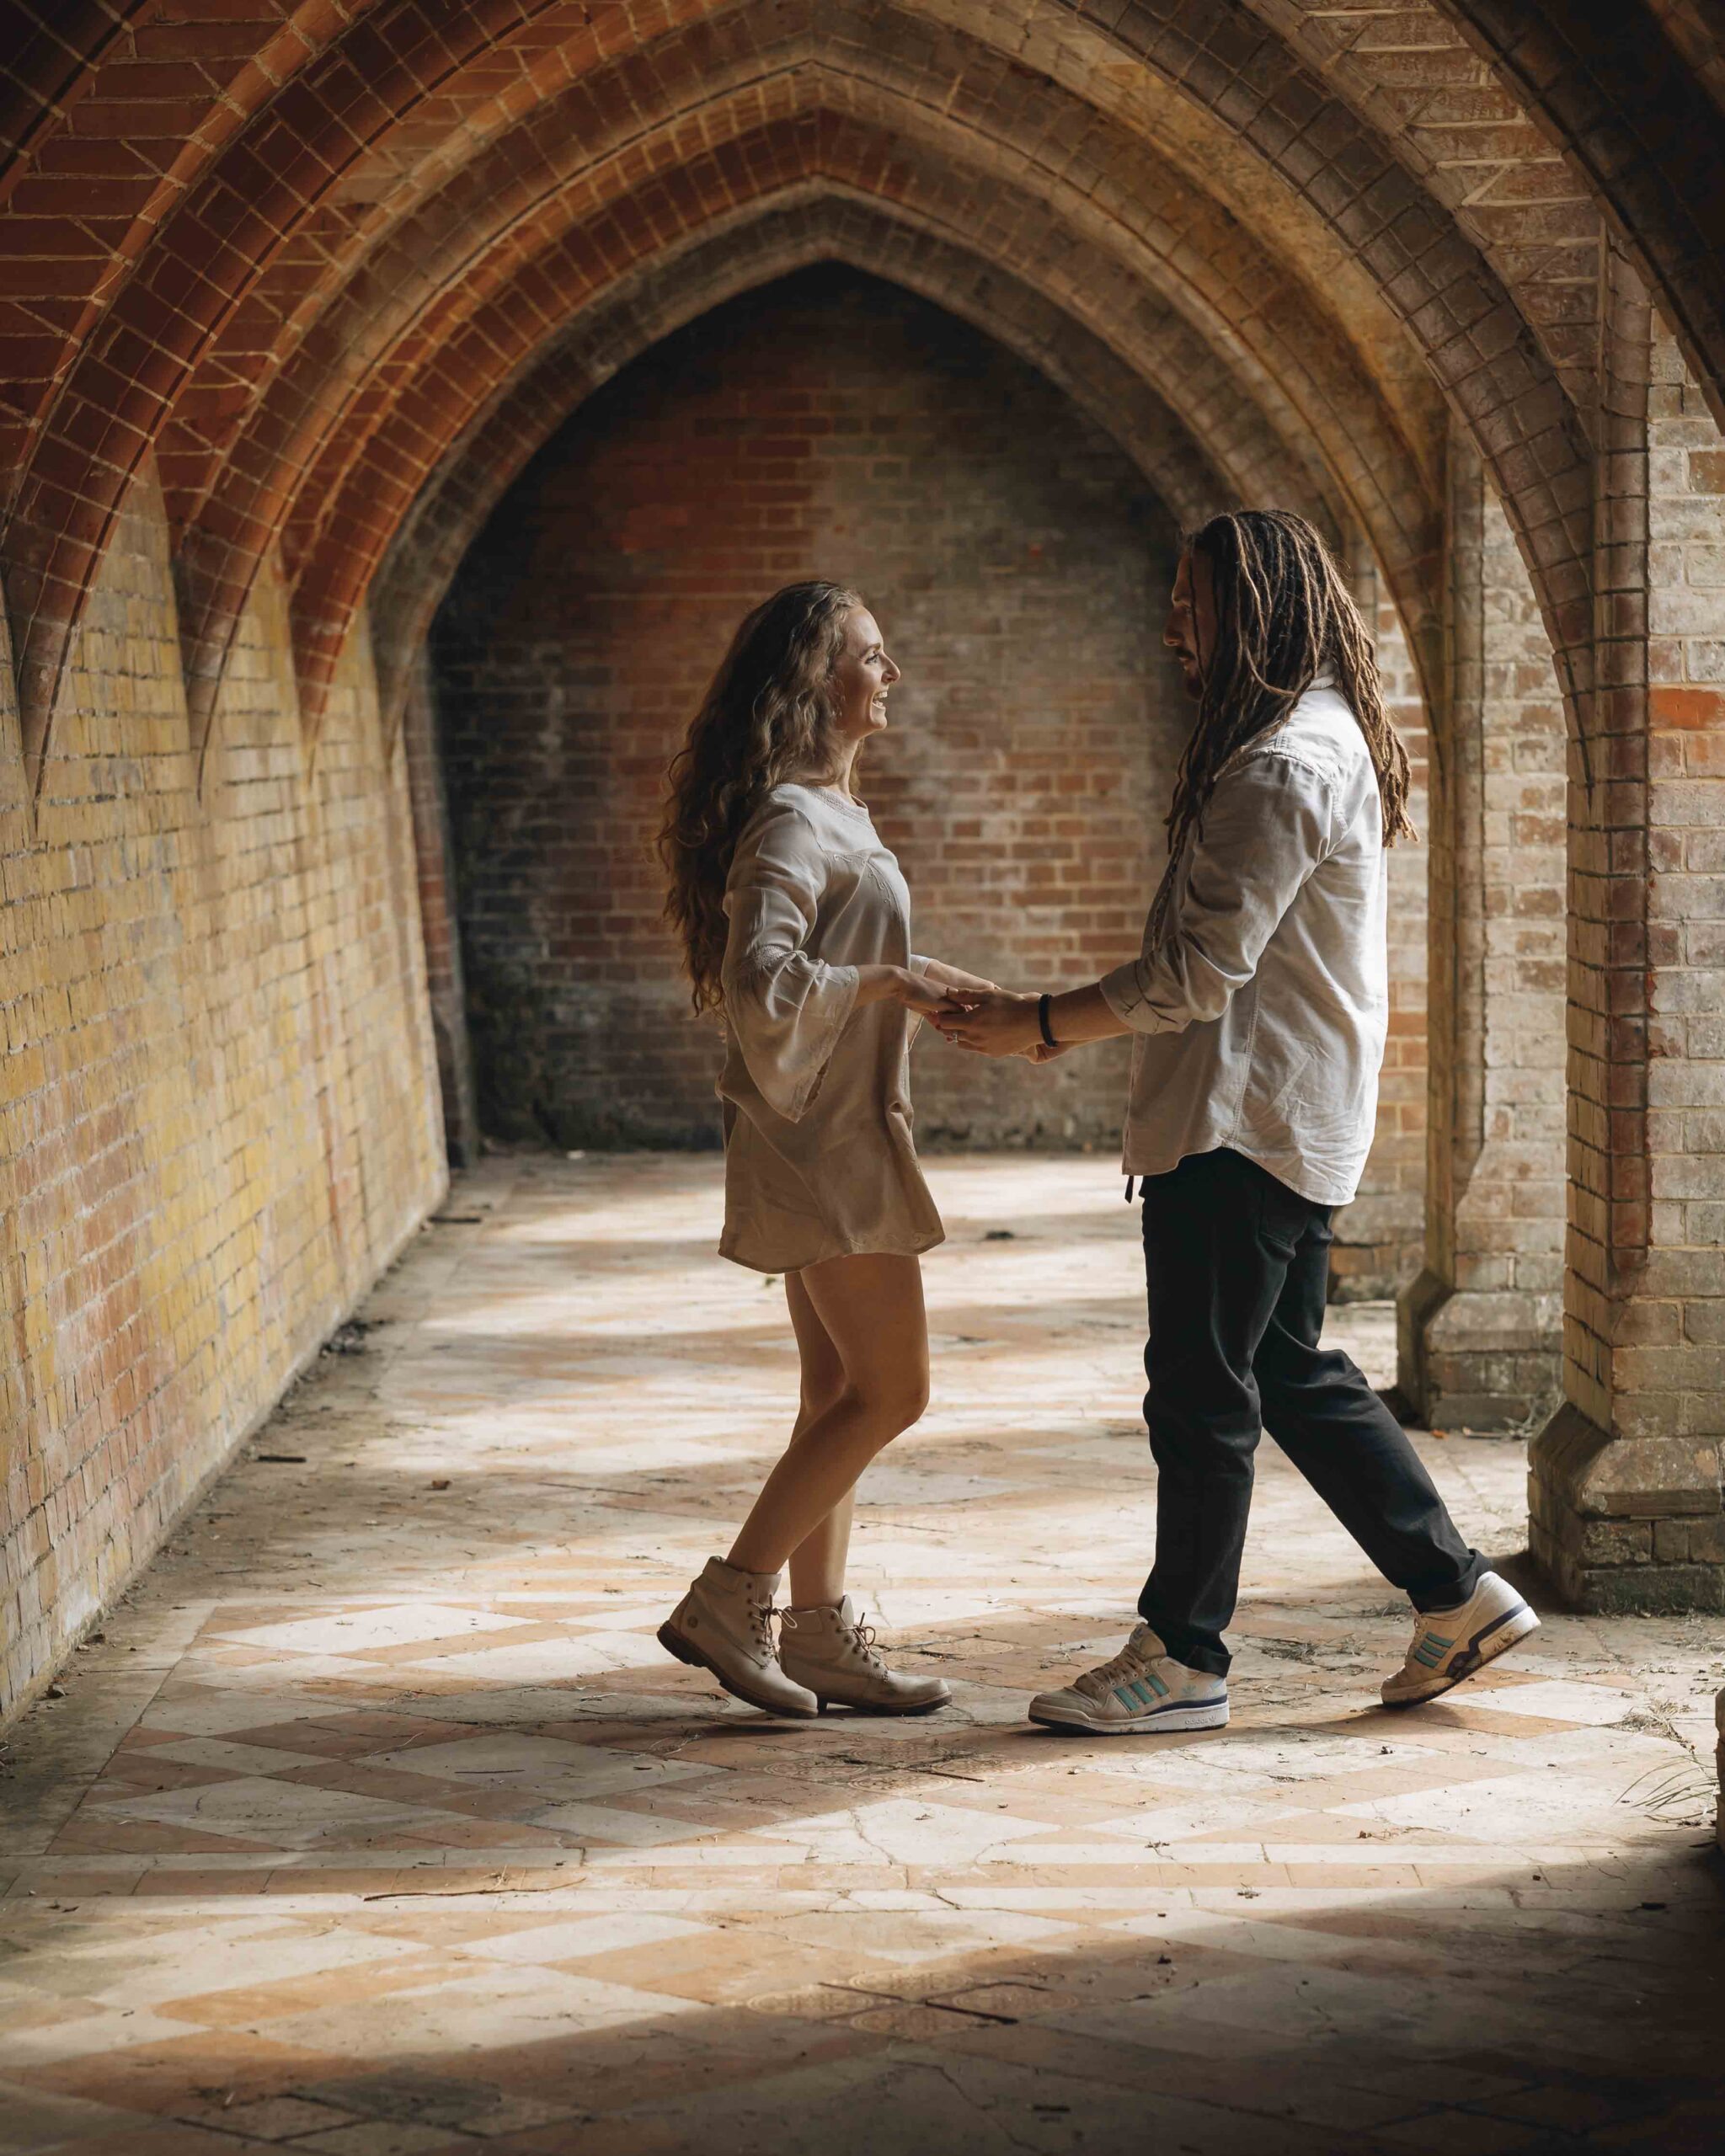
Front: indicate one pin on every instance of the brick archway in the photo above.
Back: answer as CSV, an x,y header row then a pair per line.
x,y
1236,455
1206,70
1283,244
496,303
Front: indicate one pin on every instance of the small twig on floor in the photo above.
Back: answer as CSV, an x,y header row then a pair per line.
x,y
466,1893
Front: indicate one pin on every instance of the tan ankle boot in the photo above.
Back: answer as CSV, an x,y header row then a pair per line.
x,y
832,1652
724,1624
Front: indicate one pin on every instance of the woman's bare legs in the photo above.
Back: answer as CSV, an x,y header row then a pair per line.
x,y
866,1314
817,1561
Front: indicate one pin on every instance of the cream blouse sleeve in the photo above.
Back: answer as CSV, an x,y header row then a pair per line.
x,y
785,1009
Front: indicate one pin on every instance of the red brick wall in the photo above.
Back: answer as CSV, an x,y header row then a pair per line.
x,y
829,425
833,425
1381,1237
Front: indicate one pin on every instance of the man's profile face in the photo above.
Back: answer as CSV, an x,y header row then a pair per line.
x,y
1190,632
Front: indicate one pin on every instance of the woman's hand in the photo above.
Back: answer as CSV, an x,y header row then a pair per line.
x,y
897,985
945,976
997,1023
1040,1052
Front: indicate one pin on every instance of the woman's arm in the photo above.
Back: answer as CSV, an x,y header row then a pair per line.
x,y
917,992
945,976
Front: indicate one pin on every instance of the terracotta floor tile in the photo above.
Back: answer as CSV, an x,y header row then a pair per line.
x,y
435,1848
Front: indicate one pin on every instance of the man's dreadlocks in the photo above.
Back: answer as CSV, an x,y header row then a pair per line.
x,y
1283,615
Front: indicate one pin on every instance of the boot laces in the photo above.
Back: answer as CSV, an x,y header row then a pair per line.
x,y
863,1633
760,1617
861,1636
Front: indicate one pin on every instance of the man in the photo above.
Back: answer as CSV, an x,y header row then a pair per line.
x,y
1258,1007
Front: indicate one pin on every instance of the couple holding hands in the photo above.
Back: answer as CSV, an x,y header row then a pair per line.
x,y
1257,1006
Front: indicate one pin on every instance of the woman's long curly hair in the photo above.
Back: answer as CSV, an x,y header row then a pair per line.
x,y
1284,616
768,716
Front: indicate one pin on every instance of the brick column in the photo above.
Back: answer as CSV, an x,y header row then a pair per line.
x,y
1479,1329
437,914
1625,1480
1379,1236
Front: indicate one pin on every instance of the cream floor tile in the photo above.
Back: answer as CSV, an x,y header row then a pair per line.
x,y
100,2033
913,1938
610,1823
236,1758
275,1814
485,1859
537,1766
549,1661
360,1630
902,1830
488,2011
587,1934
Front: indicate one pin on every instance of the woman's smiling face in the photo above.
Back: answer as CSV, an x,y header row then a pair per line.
x,y
862,676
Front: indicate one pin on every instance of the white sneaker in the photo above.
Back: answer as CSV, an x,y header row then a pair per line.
x,y
1451,1644
830,1650
1142,1689
724,1624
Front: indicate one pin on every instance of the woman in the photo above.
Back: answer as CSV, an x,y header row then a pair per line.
x,y
795,925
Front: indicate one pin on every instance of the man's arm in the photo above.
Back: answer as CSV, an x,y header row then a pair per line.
x,y
1004,1024
1265,829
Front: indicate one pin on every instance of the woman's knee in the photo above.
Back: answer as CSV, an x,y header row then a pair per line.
x,y
892,1402
820,1396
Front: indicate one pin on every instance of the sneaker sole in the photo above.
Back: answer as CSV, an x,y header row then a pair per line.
x,y
674,1643
1213,1714
1486,1646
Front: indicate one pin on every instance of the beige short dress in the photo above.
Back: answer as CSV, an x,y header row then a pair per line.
x,y
819,1158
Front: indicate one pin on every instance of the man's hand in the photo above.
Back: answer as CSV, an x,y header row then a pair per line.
x,y
999,1024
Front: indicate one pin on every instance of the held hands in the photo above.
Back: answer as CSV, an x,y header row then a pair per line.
x,y
916,992
997,1023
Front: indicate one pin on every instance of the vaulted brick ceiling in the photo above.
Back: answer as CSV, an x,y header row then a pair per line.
x,y
340,266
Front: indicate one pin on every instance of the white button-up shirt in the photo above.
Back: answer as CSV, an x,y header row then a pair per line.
x,y
1260,1016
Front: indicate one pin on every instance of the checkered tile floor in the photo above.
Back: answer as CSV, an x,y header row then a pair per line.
x,y
377,1823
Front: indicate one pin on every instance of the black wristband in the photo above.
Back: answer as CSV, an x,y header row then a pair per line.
x,y
1047,1030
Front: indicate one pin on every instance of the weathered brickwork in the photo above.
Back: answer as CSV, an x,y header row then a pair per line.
x,y
217,1109
829,425
1446,273
862,100
446,983
1626,1481
1021,567
1380,1237
1480,1325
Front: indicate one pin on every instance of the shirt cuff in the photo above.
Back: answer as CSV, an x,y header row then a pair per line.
x,y
1124,993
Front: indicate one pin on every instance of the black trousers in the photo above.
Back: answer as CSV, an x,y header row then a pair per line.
x,y
1238,1267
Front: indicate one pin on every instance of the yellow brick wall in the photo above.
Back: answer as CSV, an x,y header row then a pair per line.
x,y
218,1103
